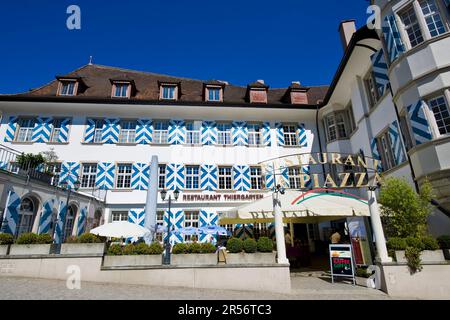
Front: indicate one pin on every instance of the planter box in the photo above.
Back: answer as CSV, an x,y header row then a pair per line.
x,y
251,258
426,256
194,259
4,250
446,253
365,282
83,248
29,249
129,261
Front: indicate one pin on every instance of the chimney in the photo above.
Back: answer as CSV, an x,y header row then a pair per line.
x,y
260,81
347,28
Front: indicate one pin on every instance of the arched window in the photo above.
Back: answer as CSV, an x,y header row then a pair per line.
x,y
70,221
27,213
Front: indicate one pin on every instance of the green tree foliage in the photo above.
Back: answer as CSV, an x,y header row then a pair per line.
x,y
404,211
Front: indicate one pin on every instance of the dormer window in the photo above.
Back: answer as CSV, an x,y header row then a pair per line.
x,y
68,87
168,91
213,90
214,94
121,89
257,92
297,93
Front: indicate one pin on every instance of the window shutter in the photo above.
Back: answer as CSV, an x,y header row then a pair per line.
x,y
302,135
59,227
447,3
393,41
209,133
42,130
266,136
105,176
11,129
11,216
208,178
141,176
111,131
376,154
64,132
82,220
380,72
177,132
396,143
69,173
136,216
46,217
175,176
239,133
307,170
89,133
280,134
419,123
241,178
244,231
144,131
176,222
206,219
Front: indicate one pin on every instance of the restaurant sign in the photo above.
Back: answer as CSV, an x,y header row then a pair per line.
x,y
221,197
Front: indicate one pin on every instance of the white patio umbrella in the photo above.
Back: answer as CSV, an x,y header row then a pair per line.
x,y
120,229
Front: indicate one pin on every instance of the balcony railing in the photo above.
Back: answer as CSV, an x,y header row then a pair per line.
x,y
9,163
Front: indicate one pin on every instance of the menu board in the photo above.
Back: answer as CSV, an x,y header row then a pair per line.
x,y
341,261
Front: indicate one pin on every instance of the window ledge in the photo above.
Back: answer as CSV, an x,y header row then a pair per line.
x,y
93,143
57,143
162,144
23,142
127,144
121,190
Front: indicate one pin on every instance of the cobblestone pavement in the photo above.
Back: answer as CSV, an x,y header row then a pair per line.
x,y
304,286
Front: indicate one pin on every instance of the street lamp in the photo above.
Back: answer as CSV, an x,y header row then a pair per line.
x,y
65,186
176,194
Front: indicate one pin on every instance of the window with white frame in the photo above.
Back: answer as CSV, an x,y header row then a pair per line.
x,y
432,17
124,172
55,170
119,216
193,132
224,133
191,220
159,224
214,94
254,134
330,125
161,132
121,90
441,113
290,135
162,176
98,131
411,26
225,178
127,132
168,92
25,130
256,178
56,131
385,150
351,118
373,95
88,175
294,174
67,88
192,177
339,124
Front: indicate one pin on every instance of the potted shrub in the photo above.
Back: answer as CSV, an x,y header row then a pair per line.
x,y
86,244
6,240
444,244
250,252
134,255
362,278
31,244
194,254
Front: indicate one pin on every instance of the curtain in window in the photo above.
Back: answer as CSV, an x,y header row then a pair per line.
x,y
392,39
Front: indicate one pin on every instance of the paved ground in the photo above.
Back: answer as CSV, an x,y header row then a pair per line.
x,y
307,286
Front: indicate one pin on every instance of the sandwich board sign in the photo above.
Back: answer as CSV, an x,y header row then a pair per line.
x,y
341,261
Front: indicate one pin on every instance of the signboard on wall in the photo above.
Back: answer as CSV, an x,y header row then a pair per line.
x,y
341,261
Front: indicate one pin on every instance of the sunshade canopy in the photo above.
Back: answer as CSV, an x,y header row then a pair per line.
x,y
300,207
120,229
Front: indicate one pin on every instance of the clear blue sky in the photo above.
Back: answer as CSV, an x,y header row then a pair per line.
x,y
239,41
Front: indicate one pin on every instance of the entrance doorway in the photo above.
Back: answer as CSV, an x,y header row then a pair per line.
x,y
27,214
70,221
